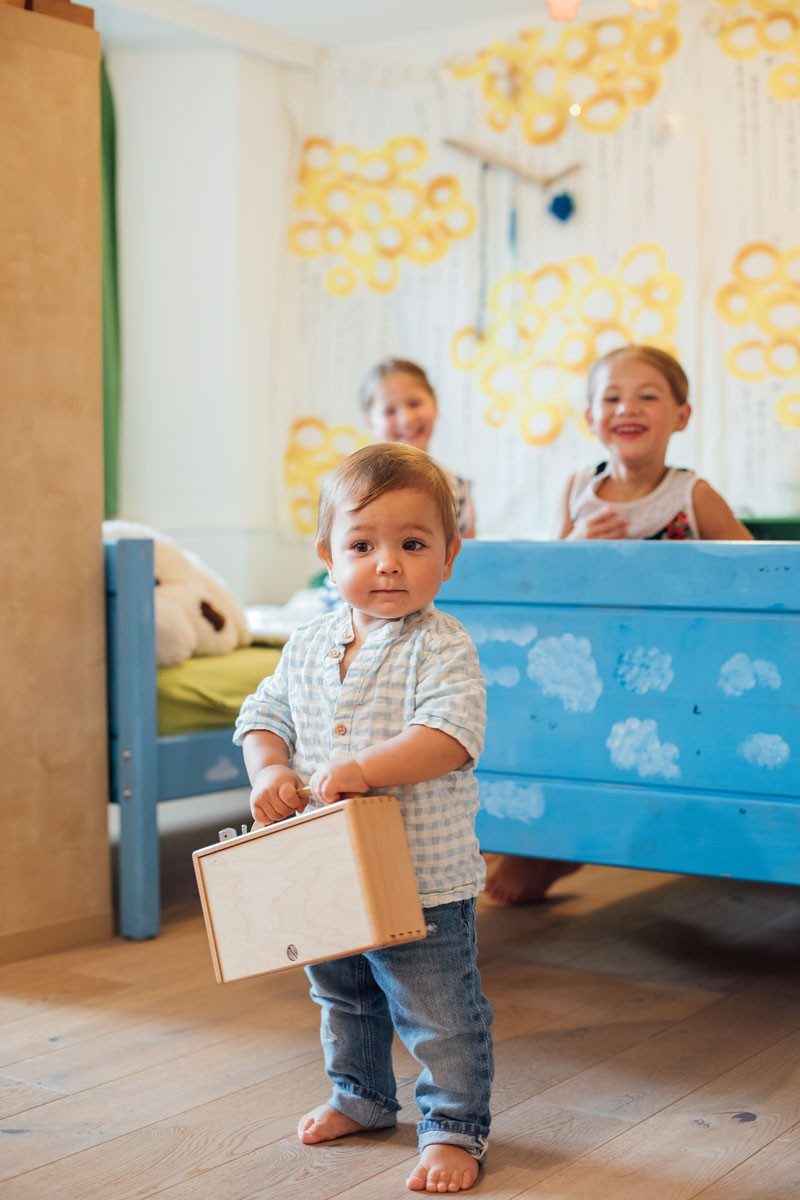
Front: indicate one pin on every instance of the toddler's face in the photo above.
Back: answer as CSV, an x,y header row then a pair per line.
x,y
633,411
389,559
402,410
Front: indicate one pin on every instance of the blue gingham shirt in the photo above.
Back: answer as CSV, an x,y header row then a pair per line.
x,y
420,670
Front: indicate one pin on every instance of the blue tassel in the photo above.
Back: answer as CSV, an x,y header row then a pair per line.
x,y
562,206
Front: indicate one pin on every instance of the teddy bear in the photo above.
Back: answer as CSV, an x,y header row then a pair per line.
x,y
195,611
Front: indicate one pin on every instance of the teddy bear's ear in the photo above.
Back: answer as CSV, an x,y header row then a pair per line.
x,y
176,637
212,615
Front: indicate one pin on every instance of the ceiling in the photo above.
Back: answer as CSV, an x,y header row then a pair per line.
x,y
317,23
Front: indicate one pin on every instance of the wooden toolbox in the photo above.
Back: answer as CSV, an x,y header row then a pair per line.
x,y
336,881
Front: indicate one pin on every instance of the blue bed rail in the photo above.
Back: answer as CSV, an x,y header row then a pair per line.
x,y
145,768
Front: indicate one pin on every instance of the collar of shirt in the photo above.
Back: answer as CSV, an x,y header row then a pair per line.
x,y
343,630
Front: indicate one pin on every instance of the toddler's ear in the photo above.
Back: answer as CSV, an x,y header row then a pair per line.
x,y
450,557
587,416
324,554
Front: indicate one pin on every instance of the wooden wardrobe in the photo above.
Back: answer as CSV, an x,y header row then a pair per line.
x,y
54,856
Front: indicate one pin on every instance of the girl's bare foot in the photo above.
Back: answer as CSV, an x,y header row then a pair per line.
x,y
443,1168
325,1123
511,879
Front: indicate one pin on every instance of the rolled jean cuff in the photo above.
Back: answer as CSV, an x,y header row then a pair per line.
x,y
369,1109
433,1133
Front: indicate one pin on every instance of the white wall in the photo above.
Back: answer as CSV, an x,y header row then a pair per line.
x,y
204,149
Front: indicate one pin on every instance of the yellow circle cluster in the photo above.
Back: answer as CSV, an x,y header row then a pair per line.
x,y
314,449
368,211
769,27
598,71
765,292
550,325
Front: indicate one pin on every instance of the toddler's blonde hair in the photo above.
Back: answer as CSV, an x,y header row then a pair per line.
x,y
382,370
663,362
387,467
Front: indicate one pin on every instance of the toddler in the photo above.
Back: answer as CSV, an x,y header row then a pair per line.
x,y
386,694
638,396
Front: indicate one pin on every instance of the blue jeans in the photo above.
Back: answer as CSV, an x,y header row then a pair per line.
x,y
430,992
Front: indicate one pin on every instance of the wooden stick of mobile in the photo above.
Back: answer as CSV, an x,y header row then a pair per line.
x,y
323,885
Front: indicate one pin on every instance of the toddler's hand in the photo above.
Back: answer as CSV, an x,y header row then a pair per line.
x,y
275,794
341,777
606,524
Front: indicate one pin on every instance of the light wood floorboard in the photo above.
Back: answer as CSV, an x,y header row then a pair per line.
x,y
647,1033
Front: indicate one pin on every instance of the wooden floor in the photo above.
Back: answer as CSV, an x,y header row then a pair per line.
x,y
647,1038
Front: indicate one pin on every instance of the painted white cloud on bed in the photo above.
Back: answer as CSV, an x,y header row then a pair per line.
x,y
635,746
506,676
505,798
765,750
642,670
222,770
564,667
741,673
520,635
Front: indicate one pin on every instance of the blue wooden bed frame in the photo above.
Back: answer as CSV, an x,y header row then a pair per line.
x,y
643,702
145,768
627,682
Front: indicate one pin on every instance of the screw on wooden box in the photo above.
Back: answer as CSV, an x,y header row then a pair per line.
x,y
323,885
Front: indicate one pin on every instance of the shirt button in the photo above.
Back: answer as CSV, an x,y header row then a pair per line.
x,y
340,728
334,654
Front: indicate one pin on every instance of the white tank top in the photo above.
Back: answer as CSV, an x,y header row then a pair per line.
x,y
666,512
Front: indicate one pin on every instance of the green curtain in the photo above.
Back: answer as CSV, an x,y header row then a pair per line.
x,y
111,340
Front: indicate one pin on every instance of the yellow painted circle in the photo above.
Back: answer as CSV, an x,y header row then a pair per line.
x,y
787,367
407,153
788,410
554,422
305,238
736,368
576,47
655,44
341,280
592,294
775,23
542,124
734,304
739,38
390,238
576,351
784,81
498,412
748,255
467,349
335,235
603,112
768,306
426,244
443,191
372,210
459,220
348,160
383,273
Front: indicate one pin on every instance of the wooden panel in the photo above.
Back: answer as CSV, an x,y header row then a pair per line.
x,y
54,861
336,882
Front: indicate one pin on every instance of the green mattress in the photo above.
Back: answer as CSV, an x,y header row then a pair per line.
x,y
207,693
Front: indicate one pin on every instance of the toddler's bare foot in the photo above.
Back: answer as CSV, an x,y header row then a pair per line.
x,y
325,1123
443,1168
511,879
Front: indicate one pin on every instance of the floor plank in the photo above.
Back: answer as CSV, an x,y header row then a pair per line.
x,y
647,1033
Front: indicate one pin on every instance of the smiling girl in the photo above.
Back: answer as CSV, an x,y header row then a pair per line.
x,y
638,397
